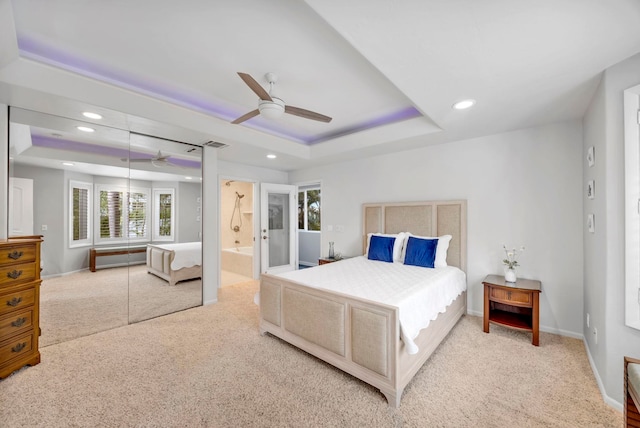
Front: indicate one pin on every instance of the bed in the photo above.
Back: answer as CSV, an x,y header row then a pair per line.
x,y
361,336
175,262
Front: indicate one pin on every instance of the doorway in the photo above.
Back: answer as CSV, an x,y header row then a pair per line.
x,y
236,231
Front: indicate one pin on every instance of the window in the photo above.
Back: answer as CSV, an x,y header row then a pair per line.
x,y
632,201
80,213
164,217
123,214
309,208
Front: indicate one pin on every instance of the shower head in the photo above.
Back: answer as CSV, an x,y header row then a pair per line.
x,y
239,195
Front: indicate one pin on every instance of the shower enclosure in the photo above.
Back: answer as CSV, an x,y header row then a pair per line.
x,y
236,220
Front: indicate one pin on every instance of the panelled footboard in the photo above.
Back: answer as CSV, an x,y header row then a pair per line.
x,y
355,335
358,336
159,264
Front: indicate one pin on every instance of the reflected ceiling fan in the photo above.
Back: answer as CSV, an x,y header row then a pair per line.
x,y
272,107
158,160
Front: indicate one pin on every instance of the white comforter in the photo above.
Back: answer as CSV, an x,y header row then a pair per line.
x,y
188,254
419,293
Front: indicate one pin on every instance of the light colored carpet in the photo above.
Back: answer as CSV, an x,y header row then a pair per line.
x,y
231,278
209,367
87,302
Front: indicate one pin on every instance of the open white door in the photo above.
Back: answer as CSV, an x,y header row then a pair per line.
x,y
278,223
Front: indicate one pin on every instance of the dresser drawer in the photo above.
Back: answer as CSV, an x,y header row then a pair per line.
x,y
16,300
513,297
15,323
18,254
16,347
16,274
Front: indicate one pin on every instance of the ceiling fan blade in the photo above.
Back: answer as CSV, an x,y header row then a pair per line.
x,y
249,115
255,86
140,160
307,114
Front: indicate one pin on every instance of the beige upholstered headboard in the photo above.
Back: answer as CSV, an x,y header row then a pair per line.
x,y
432,218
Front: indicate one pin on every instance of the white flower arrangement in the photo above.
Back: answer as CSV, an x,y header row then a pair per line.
x,y
512,257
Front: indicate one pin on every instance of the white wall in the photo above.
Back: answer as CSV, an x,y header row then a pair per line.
x,y
522,188
604,251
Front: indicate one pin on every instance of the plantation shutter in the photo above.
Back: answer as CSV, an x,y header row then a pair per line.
x,y
80,214
138,206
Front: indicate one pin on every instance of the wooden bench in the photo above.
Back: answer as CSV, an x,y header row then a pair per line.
x,y
112,251
631,392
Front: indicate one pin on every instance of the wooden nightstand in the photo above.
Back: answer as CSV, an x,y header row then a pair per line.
x,y
325,260
515,305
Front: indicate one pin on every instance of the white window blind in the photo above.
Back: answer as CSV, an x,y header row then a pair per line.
x,y
80,213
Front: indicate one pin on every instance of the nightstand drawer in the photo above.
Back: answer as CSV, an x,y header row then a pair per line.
x,y
18,254
16,274
17,300
15,323
16,347
511,296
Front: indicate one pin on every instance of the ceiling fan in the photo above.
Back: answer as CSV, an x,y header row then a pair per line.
x,y
272,107
158,160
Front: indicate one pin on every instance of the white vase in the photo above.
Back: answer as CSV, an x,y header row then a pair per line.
x,y
510,275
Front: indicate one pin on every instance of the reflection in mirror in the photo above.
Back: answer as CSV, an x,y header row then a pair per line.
x,y
169,279
72,181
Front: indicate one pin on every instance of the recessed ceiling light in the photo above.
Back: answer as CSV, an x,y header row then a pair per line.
x,y
270,156
91,115
68,163
85,129
464,104
188,178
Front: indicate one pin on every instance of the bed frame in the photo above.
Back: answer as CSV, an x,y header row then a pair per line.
x,y
359,336
159,264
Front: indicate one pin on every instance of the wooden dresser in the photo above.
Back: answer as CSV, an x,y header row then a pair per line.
x,y
19,303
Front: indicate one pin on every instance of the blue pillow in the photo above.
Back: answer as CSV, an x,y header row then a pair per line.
x,y
421,252
381,248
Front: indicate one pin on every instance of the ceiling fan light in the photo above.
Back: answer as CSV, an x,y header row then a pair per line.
x,y
271,109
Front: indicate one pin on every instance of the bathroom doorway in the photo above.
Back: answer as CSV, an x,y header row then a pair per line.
x,y
236,231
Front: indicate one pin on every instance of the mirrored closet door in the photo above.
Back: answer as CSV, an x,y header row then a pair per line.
x,y
101,195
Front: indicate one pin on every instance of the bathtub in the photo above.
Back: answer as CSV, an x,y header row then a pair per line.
x,y
238,260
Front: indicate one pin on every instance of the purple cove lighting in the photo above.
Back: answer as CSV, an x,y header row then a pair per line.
x,y
393,117
61,144
45,53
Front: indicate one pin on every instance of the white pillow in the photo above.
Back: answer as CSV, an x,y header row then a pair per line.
x,y
441,249
398,245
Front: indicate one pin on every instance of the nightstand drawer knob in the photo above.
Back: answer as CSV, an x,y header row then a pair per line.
x,y
15,274
19,322
19,347
14,302
15,255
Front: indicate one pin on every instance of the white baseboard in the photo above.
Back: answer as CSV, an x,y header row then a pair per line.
x,y
608,400
210,302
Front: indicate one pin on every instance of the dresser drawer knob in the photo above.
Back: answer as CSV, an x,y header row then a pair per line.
x,y
14,302
15,255
19,322
19,347
15,274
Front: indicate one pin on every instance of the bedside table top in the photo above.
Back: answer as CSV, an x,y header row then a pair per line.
x,y
521,283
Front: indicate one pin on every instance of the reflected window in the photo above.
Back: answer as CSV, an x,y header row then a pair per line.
x,y
80,209
164,217
123,214
309,209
